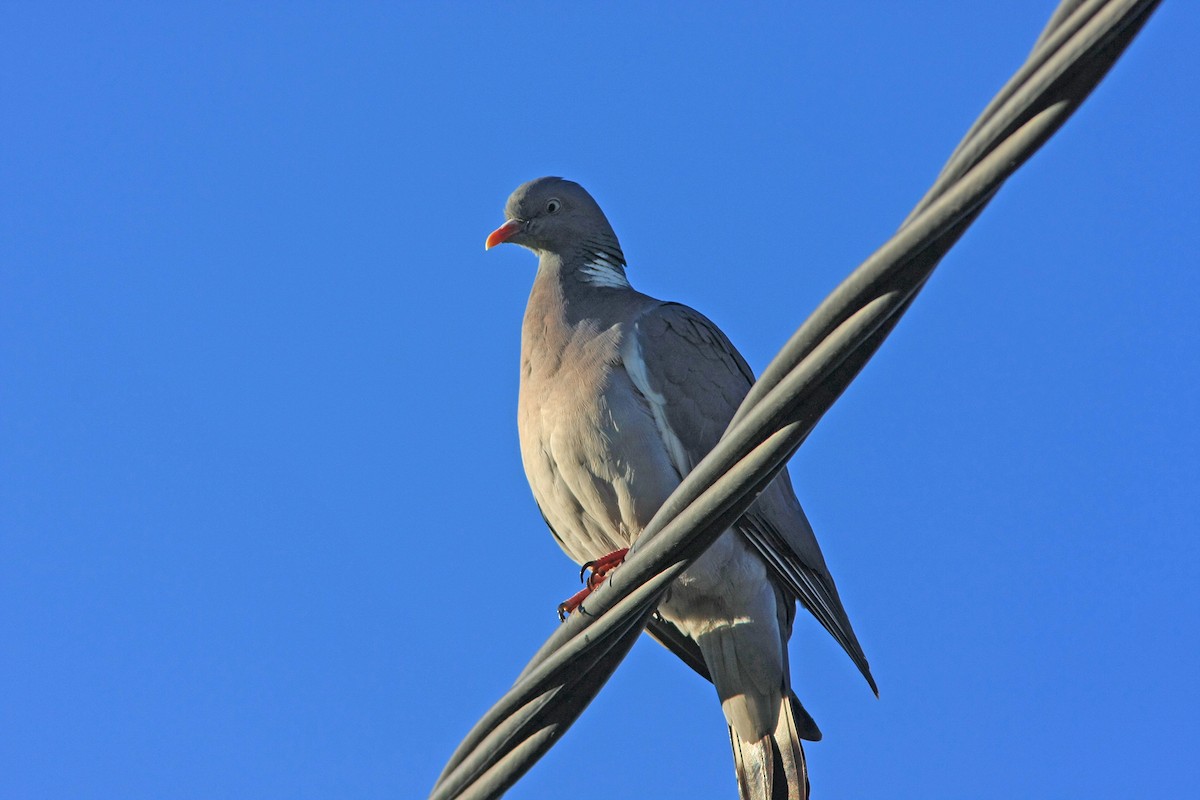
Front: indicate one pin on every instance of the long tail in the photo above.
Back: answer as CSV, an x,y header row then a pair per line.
x,y
772,768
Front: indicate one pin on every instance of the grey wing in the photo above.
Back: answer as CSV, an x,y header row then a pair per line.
x,y
693,380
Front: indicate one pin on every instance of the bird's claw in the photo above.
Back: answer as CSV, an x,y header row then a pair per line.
x,y
573,602
600,568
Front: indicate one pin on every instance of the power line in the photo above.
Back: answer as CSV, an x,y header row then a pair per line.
x,y
1081,42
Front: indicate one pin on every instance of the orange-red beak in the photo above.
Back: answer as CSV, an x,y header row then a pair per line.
x,y
502,234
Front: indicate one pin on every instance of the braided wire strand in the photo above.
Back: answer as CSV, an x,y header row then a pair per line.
x,y
1080,43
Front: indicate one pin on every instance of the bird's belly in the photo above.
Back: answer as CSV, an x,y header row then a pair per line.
x,y
597,468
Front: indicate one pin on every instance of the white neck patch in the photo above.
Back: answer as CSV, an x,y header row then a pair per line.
x,y
602,270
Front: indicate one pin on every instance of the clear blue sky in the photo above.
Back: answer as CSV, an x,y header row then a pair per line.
x,y
263,526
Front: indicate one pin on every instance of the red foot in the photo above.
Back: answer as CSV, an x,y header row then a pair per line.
x,y
571,603
600,569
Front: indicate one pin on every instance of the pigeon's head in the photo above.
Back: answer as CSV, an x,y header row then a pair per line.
x,y
557,216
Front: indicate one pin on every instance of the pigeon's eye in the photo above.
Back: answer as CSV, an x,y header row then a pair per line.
x,y
553,206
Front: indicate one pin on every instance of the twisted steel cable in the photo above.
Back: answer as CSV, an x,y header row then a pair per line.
x,y
1081,42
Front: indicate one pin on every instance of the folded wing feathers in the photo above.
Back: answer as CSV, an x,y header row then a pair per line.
x,y
684,426
808,586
